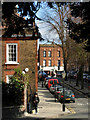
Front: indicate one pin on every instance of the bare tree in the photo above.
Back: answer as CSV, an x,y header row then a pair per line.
x,y
55,17
54,20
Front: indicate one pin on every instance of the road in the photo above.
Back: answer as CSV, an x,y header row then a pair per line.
x,y
79,109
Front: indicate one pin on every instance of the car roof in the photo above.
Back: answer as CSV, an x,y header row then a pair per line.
x,y
48,77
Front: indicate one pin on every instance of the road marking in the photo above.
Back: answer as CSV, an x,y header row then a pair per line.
x,y
71,110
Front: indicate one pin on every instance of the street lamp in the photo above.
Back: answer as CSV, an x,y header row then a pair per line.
x,y
42,78
63,76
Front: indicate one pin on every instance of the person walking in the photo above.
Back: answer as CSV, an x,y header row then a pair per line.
x,y
36,101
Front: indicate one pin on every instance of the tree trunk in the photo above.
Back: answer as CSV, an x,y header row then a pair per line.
x,y
82,81
77,81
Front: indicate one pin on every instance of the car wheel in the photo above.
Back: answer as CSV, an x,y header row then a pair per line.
x,y
73,101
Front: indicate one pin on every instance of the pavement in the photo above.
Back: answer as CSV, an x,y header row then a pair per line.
x,y
47,107
72,83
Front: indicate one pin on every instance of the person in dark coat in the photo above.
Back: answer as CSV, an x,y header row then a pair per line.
x,y
36,101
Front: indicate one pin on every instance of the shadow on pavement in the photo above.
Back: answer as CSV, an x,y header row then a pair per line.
x,y
11,113
30,118
50,101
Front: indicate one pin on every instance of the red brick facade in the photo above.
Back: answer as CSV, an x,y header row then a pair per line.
x,y
56,54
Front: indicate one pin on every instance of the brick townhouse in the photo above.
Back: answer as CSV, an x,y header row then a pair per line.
x,y
50,57
20,52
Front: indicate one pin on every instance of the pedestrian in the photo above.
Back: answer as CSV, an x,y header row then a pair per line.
x,y
36,101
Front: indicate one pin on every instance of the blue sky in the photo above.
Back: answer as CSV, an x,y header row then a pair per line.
x,y
44,27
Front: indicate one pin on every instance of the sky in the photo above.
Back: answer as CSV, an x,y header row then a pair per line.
x,y
44,28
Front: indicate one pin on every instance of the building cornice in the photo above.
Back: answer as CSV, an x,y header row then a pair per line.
x,y
18,38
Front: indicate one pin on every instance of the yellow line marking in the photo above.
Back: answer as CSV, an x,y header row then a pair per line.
x,y
71,110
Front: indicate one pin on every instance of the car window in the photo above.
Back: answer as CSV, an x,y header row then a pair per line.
x,y
55,81
58,89
69,92
51,82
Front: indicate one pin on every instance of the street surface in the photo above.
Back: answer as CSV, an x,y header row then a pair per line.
x,y
79,109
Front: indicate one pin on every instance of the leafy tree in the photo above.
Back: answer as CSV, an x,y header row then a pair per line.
x,y
13,22
79,23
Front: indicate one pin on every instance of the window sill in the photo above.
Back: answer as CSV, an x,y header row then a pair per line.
x,y
11,63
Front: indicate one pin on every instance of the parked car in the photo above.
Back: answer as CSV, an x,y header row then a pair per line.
x,y
59,74
58,91
46,81
68,96
85,76
75,76
52,81
71,74
88,78
54,87
67,74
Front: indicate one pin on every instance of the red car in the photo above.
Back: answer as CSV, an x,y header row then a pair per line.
x,y
52,81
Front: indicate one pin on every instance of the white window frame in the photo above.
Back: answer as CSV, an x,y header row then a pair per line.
x,y
44,63
7,57
49,53
7,78
44,53
49,63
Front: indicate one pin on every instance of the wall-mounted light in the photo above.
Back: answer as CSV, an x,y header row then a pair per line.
x,y
26,69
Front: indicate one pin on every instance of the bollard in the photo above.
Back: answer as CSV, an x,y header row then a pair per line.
x,y
63,107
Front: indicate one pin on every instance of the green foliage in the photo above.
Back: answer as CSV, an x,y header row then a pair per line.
x,y
14,23
11,96
18,79
13,92
79,31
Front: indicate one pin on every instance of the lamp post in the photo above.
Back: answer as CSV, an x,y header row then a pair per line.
x,y
25,90
42,78
63,107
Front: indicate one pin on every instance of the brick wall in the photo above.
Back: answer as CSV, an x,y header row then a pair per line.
x,y
54,54
26,58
